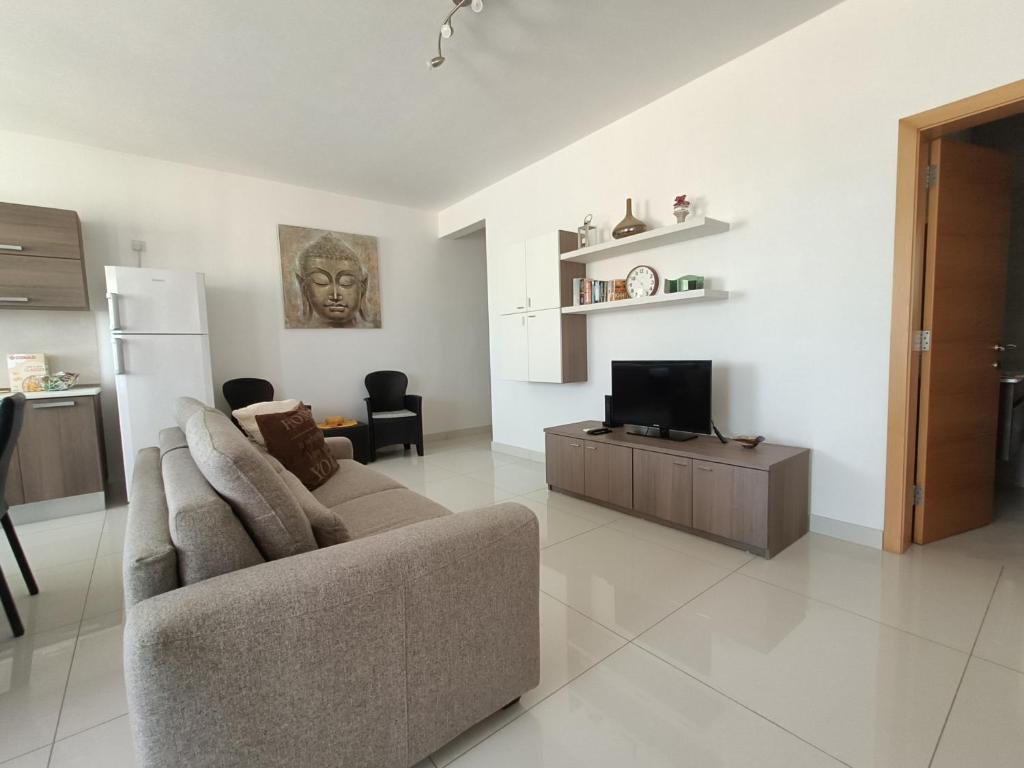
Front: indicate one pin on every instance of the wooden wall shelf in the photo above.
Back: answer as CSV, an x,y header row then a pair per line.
x,y
695,227
648,301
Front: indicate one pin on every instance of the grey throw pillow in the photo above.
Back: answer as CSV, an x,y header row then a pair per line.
x,y
250,485
328,528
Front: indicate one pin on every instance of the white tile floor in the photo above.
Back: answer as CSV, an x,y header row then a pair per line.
x,y
658,648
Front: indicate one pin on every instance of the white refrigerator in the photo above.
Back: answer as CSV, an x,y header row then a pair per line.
x,y
161,350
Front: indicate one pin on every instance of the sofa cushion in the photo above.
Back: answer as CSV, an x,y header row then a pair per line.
x,y
246,417
294,439
185,408
150,565
209,537
351,481
250,485
387,510
328,528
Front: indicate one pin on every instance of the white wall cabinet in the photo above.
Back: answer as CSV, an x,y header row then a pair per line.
x,y
537,342
514,352
510,285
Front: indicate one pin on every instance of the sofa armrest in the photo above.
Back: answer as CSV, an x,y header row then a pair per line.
x,y
374,652
340,447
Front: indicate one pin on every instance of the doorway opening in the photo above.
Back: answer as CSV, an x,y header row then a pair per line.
x,y
951,392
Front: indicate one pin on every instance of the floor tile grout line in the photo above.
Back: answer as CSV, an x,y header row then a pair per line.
x,y
860,615
741,704
85,730
545,698
1007,667
74,651
963,674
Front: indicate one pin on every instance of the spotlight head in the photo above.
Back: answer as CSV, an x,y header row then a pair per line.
x,y
436,62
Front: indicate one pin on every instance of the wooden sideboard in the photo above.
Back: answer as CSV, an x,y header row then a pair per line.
x,y
753,499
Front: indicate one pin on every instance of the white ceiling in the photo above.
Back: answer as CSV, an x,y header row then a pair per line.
x,y
336,94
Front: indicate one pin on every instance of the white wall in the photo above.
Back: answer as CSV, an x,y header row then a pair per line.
x,y
795,144
434,313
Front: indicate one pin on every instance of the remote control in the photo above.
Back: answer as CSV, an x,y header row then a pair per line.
x,y
597,430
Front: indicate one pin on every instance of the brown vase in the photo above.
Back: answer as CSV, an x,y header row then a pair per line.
x,y
630,225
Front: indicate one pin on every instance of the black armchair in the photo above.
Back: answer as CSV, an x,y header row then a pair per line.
x,y
242,392
392,415
12,411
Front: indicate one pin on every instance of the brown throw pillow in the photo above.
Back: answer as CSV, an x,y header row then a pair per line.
x,y
294,439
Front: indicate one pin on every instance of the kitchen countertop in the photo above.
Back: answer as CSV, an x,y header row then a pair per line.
x,y
84,391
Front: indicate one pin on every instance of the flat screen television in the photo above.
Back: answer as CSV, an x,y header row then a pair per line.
x,y
672,396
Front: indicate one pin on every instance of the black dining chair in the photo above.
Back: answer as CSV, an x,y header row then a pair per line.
x,y
393,416
242,392
12,411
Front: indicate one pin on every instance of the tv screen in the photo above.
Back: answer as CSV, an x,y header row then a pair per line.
x,y
667,394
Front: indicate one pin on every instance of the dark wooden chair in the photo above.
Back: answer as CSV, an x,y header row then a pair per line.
x,y
242,392
12,411
392,415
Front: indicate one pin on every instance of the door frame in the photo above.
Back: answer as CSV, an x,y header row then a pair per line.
x,y
915,134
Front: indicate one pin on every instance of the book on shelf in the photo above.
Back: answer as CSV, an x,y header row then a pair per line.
x,y
586,290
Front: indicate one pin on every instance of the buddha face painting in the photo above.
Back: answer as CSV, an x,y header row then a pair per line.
x,y
333,285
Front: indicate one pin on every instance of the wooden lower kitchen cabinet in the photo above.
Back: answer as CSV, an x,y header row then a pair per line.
x,y
59,451
757,500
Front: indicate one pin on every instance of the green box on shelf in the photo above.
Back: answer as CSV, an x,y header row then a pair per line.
x,y
684,283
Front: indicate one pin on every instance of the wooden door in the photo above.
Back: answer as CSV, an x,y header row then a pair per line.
x,y
59,449
662,486
609,473
514,351
964,298
510,282
563,457
731,502
41,282
544,343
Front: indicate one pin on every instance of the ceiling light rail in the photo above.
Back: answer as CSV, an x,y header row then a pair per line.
x,y
448,29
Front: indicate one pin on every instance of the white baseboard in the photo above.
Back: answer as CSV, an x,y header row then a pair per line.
x,y
38,511
519,453
468,432
838,529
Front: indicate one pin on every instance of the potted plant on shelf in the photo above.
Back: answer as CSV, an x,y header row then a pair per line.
x,y
681,208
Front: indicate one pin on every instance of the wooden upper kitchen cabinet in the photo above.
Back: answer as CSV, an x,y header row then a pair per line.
x,y
41,261
59,450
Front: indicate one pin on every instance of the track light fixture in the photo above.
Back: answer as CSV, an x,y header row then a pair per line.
x,y
448,29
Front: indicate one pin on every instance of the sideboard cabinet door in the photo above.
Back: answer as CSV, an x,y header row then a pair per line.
x,y
731,502
59,448
609,473
565,463
662,486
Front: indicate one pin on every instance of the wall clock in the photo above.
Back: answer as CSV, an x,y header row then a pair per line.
x,y
641,281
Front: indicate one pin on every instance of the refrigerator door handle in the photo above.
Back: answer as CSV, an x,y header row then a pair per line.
x,y
118,356
115,312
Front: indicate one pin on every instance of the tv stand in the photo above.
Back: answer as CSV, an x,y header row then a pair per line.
x,y
665,434
756,500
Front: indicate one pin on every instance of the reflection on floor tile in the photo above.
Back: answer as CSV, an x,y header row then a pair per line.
x,y
33,672
936,594
634,710
868,694
461,493
579,507
555,523
985,725
1002,634
570,644
62,593
625,583
95,690
705,549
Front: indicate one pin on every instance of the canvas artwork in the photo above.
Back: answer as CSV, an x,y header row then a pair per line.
x,y
330,279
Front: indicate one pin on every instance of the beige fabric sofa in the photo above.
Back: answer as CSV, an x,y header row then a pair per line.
x,y
374,652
